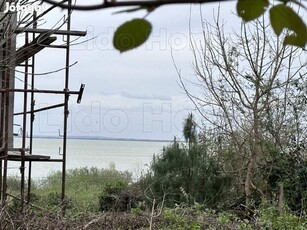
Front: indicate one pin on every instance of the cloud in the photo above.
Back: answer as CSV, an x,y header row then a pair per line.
x,y
141,96
142,83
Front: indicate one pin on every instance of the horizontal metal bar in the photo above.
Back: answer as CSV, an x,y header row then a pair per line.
x,y
60,32
15,149
22,65
39,91
40,160
41,109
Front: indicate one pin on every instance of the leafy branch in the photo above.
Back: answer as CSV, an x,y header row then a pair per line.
x,y
282,17
134,33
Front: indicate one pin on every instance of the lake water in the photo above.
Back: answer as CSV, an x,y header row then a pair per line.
x,y
126,155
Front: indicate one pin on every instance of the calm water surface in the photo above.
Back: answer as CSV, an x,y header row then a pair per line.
x,y
126,155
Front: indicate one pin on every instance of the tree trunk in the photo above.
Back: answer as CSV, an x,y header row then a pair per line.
x,y
248,178
281,198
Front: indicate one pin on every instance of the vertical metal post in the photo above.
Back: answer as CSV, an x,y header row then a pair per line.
x,y
2,95
5,114
32,115
66,110
7,98
24,129
4,186
11,49
2,103
2,111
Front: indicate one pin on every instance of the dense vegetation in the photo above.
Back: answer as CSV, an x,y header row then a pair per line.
x,y
242,167
106,199
185,188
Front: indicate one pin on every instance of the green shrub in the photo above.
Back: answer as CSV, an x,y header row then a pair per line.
x,y
108,200
54,199
186,175
119,196
271,218
288,169
177,219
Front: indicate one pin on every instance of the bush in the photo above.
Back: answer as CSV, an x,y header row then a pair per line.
x,y
109,197
119,196
177,219
271,218
290,170
186,175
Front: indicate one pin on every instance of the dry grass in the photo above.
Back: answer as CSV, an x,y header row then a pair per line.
x,y
30,219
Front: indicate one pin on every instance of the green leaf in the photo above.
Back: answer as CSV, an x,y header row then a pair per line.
x,y
249,10
283,17
131,34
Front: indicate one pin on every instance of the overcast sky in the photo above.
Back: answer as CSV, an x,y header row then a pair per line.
x,y
130,95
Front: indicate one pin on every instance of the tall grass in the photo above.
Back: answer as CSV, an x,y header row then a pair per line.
x,y
83,187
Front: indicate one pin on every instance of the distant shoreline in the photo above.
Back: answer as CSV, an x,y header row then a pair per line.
x,y
101,138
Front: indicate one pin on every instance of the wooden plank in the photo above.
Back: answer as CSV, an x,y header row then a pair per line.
x,y
13,155
29,50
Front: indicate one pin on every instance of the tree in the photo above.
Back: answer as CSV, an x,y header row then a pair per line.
x,y
184,174
251,95
282,17
189,130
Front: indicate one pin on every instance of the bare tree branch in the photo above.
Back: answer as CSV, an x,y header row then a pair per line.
x,y
142,3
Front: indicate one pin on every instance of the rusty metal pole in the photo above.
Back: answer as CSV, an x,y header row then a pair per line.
x,y
66,110
6,144
7,117
2,95
32,115
24,130
6,125
8,58
2,103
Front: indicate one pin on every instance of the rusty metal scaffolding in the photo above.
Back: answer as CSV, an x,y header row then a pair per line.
x,y
35,39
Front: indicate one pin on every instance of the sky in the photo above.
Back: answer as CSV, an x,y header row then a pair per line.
x,y
135,94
